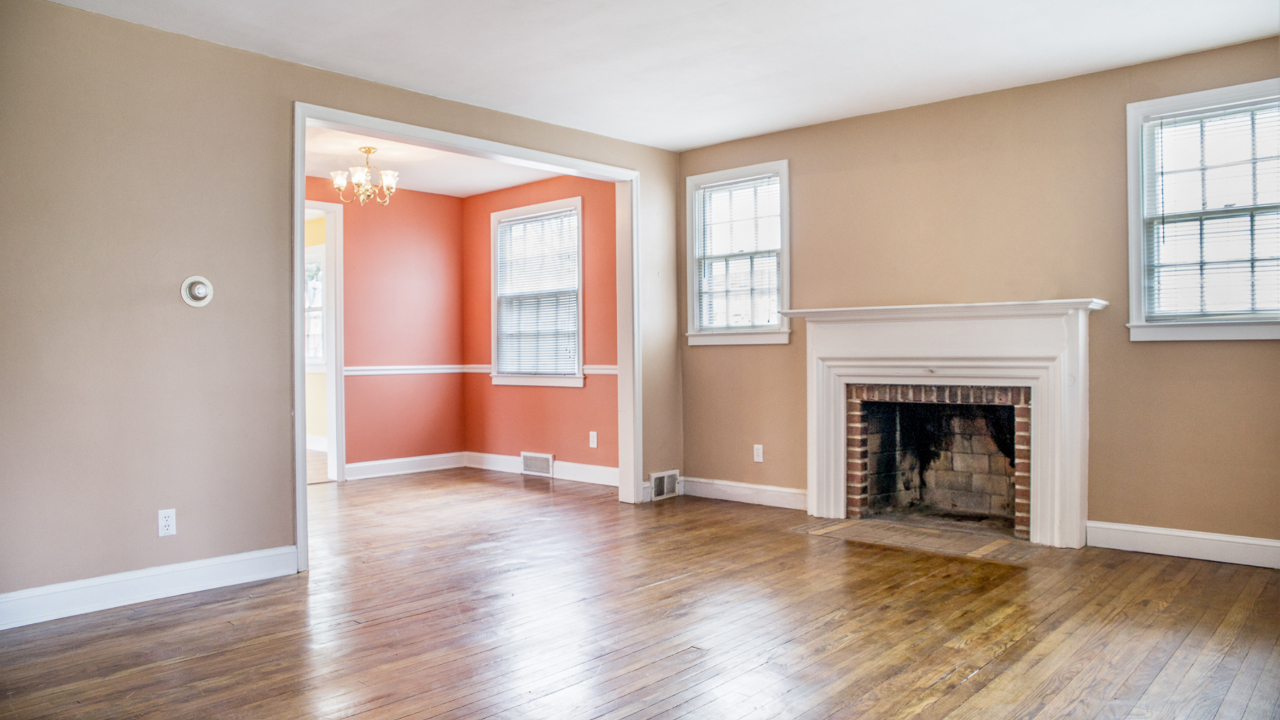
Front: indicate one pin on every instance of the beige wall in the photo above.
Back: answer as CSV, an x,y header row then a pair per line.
x,y
1012,195
116,399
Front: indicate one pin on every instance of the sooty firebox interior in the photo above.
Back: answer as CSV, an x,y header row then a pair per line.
x,y
950,460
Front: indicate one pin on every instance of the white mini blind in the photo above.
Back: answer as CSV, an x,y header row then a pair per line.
x,y
538,285
1211,213
739,235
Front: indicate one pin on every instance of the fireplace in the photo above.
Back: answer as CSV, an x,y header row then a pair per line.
x,y
959,451
1026,349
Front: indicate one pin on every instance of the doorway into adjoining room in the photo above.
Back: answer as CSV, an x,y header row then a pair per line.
x,y
459,309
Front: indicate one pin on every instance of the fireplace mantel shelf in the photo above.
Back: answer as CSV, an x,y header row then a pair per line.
x,y
1037,308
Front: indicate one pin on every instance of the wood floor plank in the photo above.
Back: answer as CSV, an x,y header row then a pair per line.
x,y
475,594
1261,644
1264,703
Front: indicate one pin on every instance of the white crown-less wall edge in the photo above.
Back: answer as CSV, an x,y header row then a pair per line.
x,y
1238,549
50,602
770,495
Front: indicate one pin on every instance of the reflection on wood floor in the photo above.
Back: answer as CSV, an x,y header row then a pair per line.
x,y
473,594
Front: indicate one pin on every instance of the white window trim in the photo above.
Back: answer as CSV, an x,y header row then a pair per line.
x,y
498,378
1248,328
744,336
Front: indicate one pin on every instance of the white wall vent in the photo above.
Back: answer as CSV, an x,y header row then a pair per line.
x,y
536,464
665,484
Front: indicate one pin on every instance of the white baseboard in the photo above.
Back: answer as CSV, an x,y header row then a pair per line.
x,y
318,443
404,466
26,607
578,472
489,461
561,470
1237,549
770,495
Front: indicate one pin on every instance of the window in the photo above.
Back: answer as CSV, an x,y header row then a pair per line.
x,y
738,256
1204,205
313,308
537,301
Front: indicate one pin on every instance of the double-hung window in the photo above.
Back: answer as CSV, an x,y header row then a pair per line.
x,y
738,242
1204,204
537,299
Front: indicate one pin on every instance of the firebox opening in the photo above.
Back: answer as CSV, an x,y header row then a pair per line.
x,y
951,460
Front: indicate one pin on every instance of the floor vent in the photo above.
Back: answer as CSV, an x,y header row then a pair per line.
x,y
665,484
535,464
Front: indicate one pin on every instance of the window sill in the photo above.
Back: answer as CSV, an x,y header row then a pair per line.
x,y
766,337
1229,330
540,380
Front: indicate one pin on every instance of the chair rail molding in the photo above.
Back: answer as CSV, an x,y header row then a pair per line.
x,y
1043,345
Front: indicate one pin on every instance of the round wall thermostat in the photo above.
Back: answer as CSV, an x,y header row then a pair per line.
x,y
197,291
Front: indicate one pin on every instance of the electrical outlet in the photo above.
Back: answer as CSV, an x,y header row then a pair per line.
x,y
168,522
591,440
757,453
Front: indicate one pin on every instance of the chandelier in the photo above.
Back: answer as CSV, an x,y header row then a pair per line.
x,y
362,181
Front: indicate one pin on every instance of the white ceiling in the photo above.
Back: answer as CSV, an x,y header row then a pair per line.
x,y
680,74
423,169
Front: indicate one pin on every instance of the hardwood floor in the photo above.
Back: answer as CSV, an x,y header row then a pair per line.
x,y
472,594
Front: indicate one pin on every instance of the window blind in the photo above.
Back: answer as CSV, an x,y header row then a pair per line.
x,y
538,282
739,236
1211,213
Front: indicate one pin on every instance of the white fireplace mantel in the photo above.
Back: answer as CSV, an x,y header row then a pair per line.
x,y
1043,345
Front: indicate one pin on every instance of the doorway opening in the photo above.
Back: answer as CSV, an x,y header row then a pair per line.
x,y
400,362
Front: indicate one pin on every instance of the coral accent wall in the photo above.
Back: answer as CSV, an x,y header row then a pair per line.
x,y
402,269
506,419
416,286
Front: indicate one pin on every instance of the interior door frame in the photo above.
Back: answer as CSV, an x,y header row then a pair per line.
x,y
335,386
627,183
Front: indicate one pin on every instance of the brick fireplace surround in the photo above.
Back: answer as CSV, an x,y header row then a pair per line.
x,y
857,452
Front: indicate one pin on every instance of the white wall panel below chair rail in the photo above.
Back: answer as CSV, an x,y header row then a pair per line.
x,y
449,369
